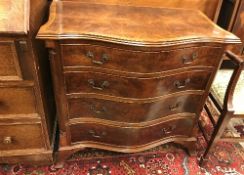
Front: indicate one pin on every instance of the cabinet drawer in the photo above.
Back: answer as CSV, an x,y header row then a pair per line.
x,y
9,63
138,61
132,112
17,100
20,136
132,87
130,136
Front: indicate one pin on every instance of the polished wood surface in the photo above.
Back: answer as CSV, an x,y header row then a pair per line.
x,y
95,22
136,61
112,87
15,137
130,136
17,100
141,88
9,63
17,11
135,112
27,112
209,7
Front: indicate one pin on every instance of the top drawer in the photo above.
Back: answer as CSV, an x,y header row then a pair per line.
x,y
9,63
138,61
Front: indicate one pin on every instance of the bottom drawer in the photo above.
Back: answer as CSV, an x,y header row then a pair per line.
x,y
130,136
20,136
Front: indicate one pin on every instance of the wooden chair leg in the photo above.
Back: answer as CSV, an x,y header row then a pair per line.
x,y
227,111
217,133
210,146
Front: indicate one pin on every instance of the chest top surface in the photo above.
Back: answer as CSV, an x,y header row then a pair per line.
x,y
14,16
131,25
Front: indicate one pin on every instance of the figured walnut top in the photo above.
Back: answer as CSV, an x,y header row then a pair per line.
x,y
131,25
14,16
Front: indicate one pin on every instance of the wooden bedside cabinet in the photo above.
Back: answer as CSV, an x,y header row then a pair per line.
x,y
130,78
27,109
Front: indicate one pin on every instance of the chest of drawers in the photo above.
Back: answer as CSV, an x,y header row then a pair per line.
x,y
129,78
27,110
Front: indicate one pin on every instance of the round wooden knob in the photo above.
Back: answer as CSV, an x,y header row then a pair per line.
x,y
7,140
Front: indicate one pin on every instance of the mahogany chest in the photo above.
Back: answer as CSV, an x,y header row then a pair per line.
x,y
27,109
130,78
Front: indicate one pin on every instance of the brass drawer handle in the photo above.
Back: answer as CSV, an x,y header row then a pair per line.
x,y
181,85
103,60
100,87
189,60
7,140
96,135
175,106
168,130
103,110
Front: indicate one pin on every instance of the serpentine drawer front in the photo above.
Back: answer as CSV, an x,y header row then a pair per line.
x,y
132,112
129,78
130,136
137,61
130,87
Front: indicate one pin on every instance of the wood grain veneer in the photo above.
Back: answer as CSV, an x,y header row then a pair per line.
x,y
146,78
209,7
27,110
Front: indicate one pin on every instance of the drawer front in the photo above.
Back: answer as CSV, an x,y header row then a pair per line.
x,y
137,61
20,136
132,112
17,100
9,63
130,136
131,87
